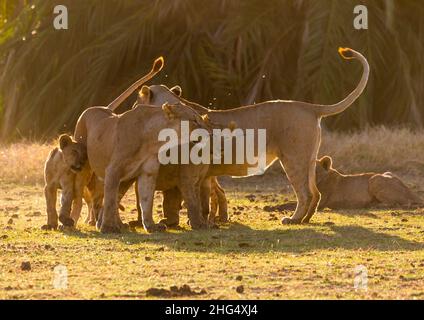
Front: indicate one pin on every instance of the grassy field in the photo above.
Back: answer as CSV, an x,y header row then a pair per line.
x,y
252,257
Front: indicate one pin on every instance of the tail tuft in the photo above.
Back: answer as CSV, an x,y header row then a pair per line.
x,y
158,65
346,53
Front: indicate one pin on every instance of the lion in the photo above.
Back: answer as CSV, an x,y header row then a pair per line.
x,y
178,182
125,147
363,190
95,196
293,134
66,169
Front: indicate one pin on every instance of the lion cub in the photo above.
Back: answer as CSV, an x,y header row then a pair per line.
x,y
66,168
361,190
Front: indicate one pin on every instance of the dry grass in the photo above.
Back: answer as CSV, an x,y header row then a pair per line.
x,y
23,162
376,149
270,260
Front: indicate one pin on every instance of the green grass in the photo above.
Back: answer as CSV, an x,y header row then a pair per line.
x,y
274,261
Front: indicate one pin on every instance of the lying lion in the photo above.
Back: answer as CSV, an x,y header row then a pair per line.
x,y
354,191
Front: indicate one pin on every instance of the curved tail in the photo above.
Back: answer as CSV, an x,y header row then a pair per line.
x,y
329,110
157,66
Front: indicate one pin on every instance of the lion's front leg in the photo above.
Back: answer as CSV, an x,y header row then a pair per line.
x,y
208,202
110,210
66,200
171,208
76,208
191,195
146,184
222,202
81,181
50,193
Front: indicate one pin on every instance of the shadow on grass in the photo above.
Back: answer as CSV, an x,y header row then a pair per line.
x,y
240,238
291,207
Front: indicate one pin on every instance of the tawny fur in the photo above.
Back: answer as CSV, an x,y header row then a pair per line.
x,y
125,147
59,175
293,134
218,202
363,190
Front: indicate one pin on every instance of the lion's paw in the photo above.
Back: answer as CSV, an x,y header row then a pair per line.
x,y
62,227
288,221
170,224
134,224
199,226
67,222
92,223
104,228
49,227
157,227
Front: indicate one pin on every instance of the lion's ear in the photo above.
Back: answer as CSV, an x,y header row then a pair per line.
x,y
206,119
177,91
232,125
64,141
326,162
144,93
169,112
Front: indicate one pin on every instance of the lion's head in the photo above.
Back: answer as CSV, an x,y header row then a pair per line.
x,y
74,154
181,112
324,168
159,94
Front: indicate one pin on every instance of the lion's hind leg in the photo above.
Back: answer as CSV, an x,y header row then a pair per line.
x,y
299,179
316,196
299,163
221,199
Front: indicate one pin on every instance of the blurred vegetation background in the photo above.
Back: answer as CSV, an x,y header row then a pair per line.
x,y
223,53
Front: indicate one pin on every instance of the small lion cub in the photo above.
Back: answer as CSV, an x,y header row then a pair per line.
x,y
66,168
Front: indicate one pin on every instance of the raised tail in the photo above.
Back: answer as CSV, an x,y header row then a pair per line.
x,y
157,66
329,110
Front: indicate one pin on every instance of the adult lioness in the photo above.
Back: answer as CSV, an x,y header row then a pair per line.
x,y
293,134
354,191
125,147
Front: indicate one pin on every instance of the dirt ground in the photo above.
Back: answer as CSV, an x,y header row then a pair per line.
x,y
342,254
252,257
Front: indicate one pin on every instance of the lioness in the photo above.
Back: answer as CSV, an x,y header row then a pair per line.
x,y
65,169
293,134
125,147
354,191
178,182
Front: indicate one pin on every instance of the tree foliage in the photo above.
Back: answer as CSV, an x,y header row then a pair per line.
x,y
223,53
